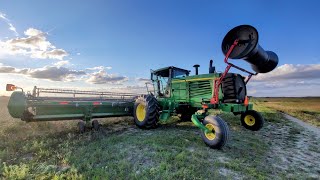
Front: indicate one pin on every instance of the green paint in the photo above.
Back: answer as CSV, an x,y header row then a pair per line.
x,y
196,122
17,104
47,110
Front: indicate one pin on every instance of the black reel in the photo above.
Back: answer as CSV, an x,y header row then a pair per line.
x,y
248,49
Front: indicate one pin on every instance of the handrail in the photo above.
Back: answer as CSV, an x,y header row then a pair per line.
x,y
37,91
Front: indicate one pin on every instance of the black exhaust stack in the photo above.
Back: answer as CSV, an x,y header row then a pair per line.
x,y
248,49
196,66
212,69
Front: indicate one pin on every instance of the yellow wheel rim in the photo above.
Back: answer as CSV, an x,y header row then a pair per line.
x,y
249,120
141,112
210,135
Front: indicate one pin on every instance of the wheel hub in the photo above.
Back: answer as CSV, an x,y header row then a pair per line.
x,y
249,120
141,112
211,135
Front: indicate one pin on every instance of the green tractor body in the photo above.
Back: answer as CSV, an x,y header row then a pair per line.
x,y
179,93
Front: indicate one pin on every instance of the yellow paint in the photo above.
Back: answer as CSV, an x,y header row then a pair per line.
x,y
141,112
188,80
210,135
249,120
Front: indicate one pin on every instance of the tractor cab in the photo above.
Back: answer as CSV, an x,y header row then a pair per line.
x,y
161,79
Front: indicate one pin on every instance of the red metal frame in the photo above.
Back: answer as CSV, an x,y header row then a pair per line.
x,y
218,81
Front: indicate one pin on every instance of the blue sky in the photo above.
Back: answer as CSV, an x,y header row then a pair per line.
x,y
128,38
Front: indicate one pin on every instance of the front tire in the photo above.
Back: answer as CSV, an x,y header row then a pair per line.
x,y
146,112
81,127
95,125
219,135
252,120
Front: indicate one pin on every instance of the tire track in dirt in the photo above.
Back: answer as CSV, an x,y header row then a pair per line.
x,y
303,124
294,150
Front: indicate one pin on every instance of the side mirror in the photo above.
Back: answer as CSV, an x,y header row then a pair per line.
x,y
11,87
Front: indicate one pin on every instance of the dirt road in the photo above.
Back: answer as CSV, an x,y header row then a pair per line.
x,y
303,124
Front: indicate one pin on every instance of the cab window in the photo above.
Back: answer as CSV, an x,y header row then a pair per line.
x,y
179,73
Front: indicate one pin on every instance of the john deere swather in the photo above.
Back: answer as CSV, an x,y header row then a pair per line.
x,y
174,92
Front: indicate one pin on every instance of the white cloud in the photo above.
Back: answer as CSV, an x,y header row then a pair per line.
x,y
61,63
35,40
138,86
33,32
287,80
57,72
102,77
99,68
7,69
2,16
291,71
130,89
35,45
53,54
143,79
142,82
283,89
53,73
11,27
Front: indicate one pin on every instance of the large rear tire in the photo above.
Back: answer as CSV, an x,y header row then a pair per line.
x,y
219,135
252,120
233,88
146,112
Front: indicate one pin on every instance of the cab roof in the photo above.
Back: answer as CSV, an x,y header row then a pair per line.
x,y
164,72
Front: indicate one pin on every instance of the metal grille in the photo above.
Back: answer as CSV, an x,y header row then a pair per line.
x,y
199,88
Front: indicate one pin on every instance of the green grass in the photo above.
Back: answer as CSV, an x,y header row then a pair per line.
x,y
306,108
54,150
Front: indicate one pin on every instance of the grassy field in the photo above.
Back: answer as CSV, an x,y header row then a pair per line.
x,y
306,108
54,150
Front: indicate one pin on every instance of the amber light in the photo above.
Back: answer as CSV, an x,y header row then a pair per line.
x,y
11,87
246,101
205,106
